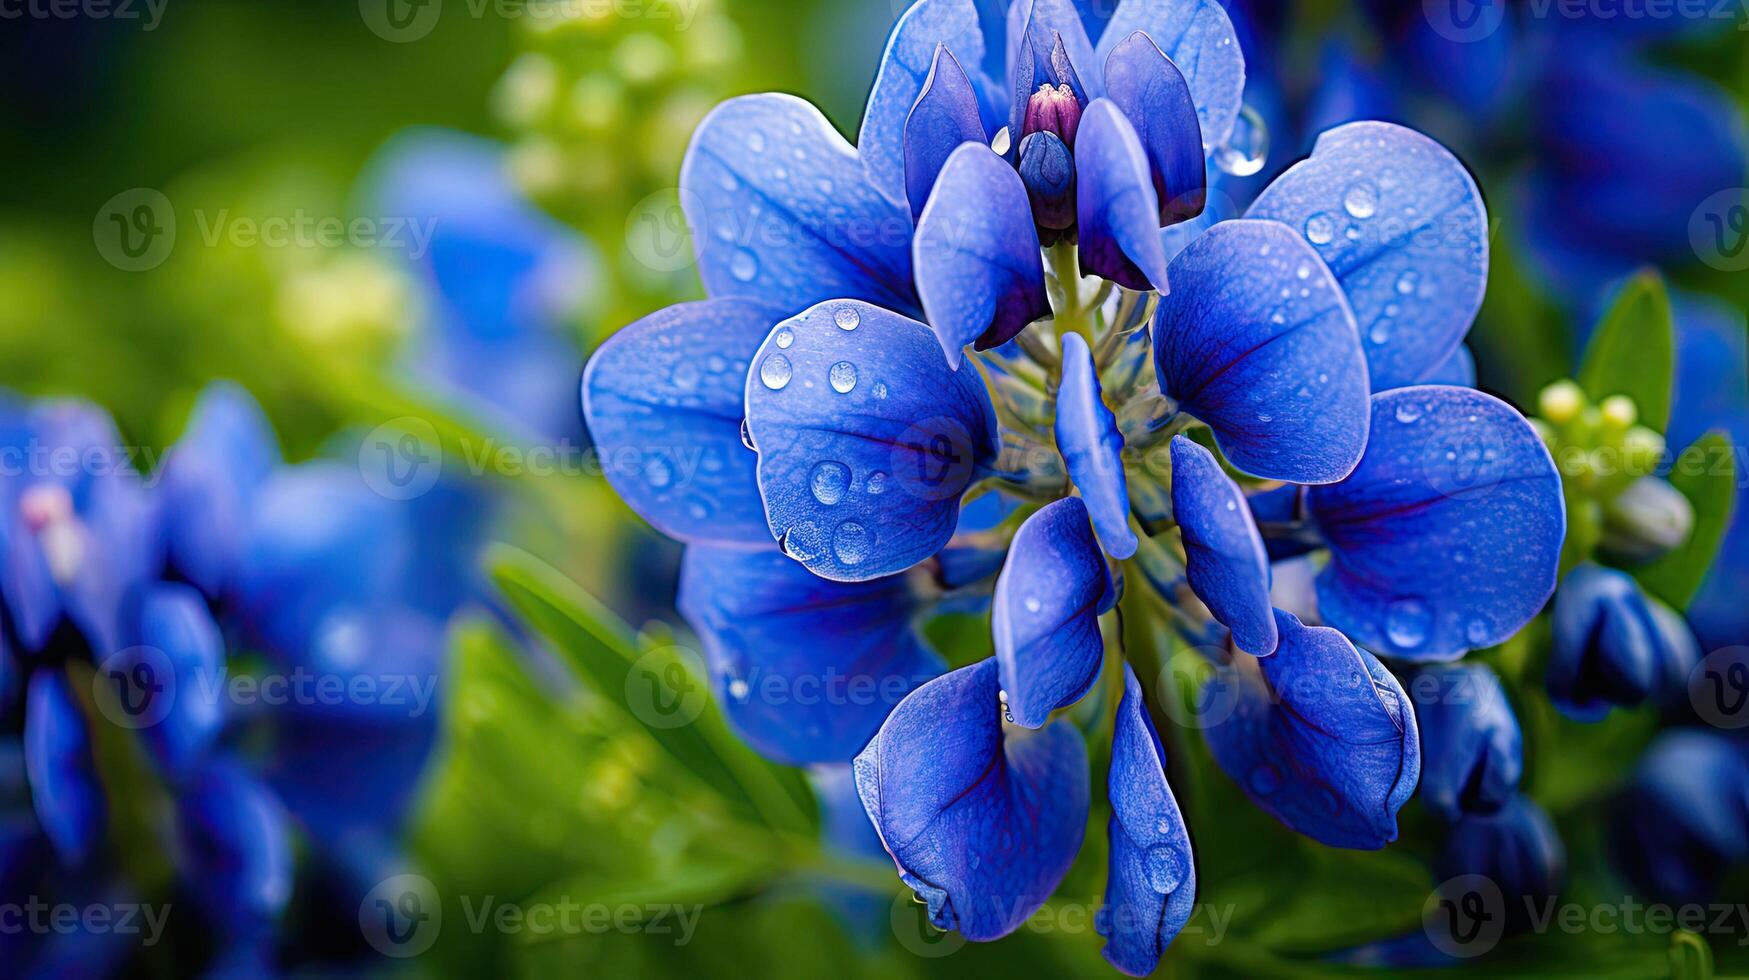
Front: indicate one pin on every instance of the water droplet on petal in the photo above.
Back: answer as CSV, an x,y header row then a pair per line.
x,y
1247,147
842,377
1477,632
744,266
1406,282
879,389
829,481
1406,622
658,473
1320,229
747,436
738,689
785,337
877,483
1032,604
775,371
1165,868
851,543
756,141
1408,414
1362,201
847,318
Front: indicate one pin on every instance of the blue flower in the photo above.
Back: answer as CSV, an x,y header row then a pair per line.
x,y
1472,752
1681,825
826,454
1614,646
1517,850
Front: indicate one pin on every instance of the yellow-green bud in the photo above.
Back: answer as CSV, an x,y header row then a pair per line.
x,y
1619,412
1561,402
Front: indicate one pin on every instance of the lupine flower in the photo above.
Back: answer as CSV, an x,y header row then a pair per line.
x,y
1614,646
1516,849
817,448
1472,752
1682,824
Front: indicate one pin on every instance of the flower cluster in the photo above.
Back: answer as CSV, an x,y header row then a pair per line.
x,y
1190,403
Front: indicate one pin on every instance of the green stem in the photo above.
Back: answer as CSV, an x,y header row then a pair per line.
x,y
1071,315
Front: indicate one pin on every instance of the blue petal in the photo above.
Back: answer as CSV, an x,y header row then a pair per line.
x,y
1224,557
1448,535
207,482
663,400
946,115
805,668
177,637
1322,738
782,212
1045,618
1152,889
1117,214
1092,448
1472,753
866,439
977,255
63,776
238,846
1613,645
1681,825
1458,370
1257,341
1517,849
1047,26
1199,38
1402,225
1152,94
905,66
983,823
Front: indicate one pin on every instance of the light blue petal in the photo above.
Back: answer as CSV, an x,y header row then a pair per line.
x,y
781,210
946,115
977,255
983,822
1225,561
1152,889
663,399
1458,370
206,483
1448,535
1256,340
1472,753
1152,94
176,637
1092,448
1045,618
866,439
1402,225
63,776
1322,738
806,669
904,67
1199,38
1117,214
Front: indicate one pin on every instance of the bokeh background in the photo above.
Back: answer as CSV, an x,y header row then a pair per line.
x,y
399,221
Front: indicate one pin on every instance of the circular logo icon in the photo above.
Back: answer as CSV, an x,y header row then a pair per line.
x,y
1459,460
933,459
1464,21
1465,916
400,21
1197,692
1719,230
911,926
401,916
135,230
1718,687
400,459
657,233
666,687
135,688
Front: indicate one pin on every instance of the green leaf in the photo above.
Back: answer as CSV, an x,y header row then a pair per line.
x,y
665,690
1632,351
690,885
1706,473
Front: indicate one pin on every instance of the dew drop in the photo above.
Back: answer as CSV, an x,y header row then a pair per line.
x,y
744,266
658,473
1379,334
1032,604
785,338
1165,868
1320,229
842,377
1408,414
1247,147
1406,622
829,481
1476,632
847,318
1406,283
738,689
850,543
880,389
775,371
877,483
747,436
685,375
1304,271
756,141
801,541
1362,201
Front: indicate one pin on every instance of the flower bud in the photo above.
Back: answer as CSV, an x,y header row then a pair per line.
x,y
1648,519
1561,402
1052,110
1048,171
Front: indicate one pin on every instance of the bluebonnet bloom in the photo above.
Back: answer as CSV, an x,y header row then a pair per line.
x,y
822,452
1614,645
1682,824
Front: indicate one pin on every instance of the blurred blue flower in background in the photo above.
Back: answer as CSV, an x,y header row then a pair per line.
x,y
1682,823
